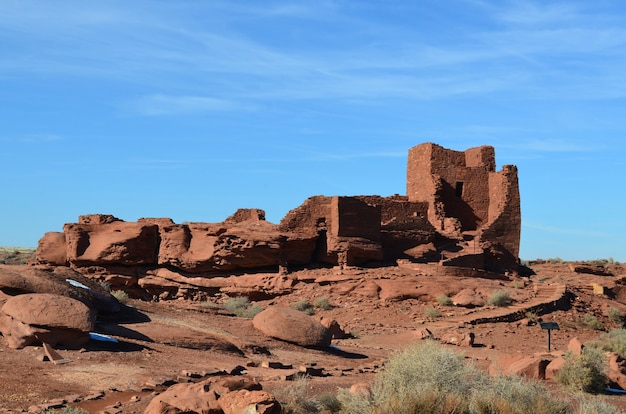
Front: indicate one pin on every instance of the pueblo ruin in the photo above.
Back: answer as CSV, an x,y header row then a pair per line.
x,y
458,213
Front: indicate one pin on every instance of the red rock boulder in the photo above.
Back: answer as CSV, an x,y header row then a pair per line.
x,y
42,317
293,326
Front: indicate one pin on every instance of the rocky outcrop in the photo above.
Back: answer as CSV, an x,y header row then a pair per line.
x,y
215,396
293,326
17,280
53,319
458,211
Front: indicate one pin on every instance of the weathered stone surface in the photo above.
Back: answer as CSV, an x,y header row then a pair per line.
x,y
589,268
575,346
203,397
468,298
529,366
15,280
43,317
333,327
249,402
51,249
458,338
185,398
114,242
292,326
617,370
553,368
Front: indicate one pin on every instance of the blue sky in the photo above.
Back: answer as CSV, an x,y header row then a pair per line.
x,y
192,109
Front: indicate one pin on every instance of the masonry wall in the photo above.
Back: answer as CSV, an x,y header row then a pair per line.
x,y
351,217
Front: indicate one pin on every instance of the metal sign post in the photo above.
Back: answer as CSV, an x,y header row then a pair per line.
x,y
549,326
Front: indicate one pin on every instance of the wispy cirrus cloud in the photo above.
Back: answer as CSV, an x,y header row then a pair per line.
x,y
160,105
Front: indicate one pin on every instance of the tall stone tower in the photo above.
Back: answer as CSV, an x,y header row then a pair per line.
x,y
465,194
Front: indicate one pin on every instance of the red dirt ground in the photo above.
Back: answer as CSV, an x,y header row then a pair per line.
x,y
174,340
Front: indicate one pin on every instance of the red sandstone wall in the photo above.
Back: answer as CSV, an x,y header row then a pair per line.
x,y
351,217
505,222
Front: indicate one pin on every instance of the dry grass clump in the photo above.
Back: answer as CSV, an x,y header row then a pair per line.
x,y
303,305
240,306
120,295
444,300
431,312
323,303
500,298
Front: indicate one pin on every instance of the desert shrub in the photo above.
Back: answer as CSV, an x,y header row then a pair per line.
x,y
240,306
303,305
596,406
294,398
500,298
105,285
423,377
592,322
120,295
329,402
67,410
584,373
615,315
517,284
353,403
515,395
444,300
431,313
531,315
323,303
615,341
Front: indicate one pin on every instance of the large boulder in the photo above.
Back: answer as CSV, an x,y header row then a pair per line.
x,y
529,366
17,280
293,326
44,317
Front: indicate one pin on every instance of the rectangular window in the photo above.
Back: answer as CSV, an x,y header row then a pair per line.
x,y
459,188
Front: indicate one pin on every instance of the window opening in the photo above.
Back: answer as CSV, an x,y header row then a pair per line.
x,y
459,188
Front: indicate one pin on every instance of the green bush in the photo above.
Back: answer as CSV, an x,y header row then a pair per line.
x,y
592,322
615,315
444,300
303,305
323,303
614,341
500,298
584,373
240,306
431,313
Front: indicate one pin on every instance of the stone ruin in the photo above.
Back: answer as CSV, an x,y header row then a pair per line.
x,y
458,211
